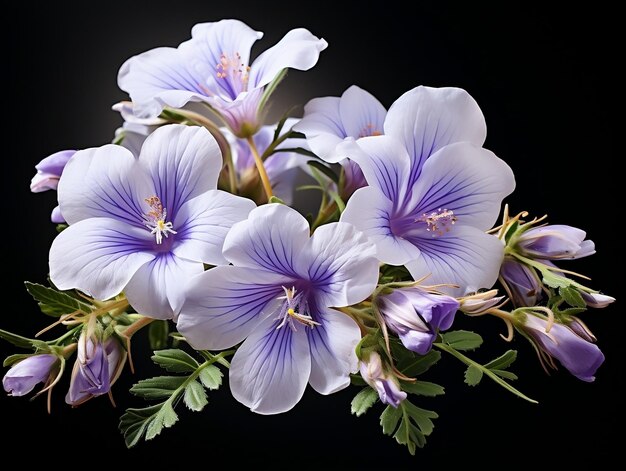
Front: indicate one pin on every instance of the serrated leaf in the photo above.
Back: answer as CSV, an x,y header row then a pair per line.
x,y
462,339
406,436
572,297
473,375
12,359
327,171
419,365
158,387
363,401
423,388
158,334
505,374
421,417
17,340
175,361
195,396
554,281
164,418
55,303
389,419
134,422
211,377
503,361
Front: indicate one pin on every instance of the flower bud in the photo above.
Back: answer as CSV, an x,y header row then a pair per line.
x,y
554,242
521,283
596,300
49,171
416,316
383,383
25,375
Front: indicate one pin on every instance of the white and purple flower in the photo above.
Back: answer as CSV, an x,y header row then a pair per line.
x,y
385,384
214,67
144,225
554,242
25,375
433,190
49,171
278,298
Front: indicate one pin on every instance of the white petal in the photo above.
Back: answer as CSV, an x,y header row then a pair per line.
x,y
341,264
271,238
322,127
425,119
298,49
370,211
362,114
465,256
224,304
332,347
269,372
99,256
157,289
203,222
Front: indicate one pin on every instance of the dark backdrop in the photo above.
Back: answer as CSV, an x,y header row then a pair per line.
x,y
546,82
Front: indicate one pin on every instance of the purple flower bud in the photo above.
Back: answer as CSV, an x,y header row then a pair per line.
x,y
49,170
97,367
521,283
480,302
581,329
580,357
353,178
416,316
597,300
554,242
25,375
385,385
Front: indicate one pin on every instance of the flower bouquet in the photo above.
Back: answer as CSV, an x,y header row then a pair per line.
x,y
187,227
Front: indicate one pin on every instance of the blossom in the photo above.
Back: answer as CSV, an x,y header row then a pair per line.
x,y
597,300
97,367
416,316
49,171
281,166
580,357
521,283
381,381
214,67
433,191
278,298
143,225
554,242
134,130
25,375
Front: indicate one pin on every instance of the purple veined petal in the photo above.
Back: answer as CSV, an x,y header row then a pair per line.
x,y
56,216
219,53
385,164
323,127
362,114
225,304
184,162
298,49
341,264
104,182
271,238
465,256
203,222
49,170
467,180
554,242
159,78
332,345
241,113
426,119
99,256
26,374
157,289
270,370
370,211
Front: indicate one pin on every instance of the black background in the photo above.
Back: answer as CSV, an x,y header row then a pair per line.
x,y
547,83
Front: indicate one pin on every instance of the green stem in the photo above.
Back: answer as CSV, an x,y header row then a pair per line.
x,y
66,335
219,358
469,362
267,186
272,147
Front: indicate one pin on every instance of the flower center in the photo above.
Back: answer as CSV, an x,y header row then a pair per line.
x,y
438,222
232,70
370,130
294,310
155,219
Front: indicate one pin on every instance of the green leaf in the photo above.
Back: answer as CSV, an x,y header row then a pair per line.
x,y
297,150
164,418
473,375
324,169
16,340
572,297
158,387
12,359
363,401
269,89
505,374
275,199
149,421
423,388
195,396
511,230
462,340
55,303
421,417
175,361
211,377
61,227
503,361
554,281
356,380
158,334
419,365
389,419
415,425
